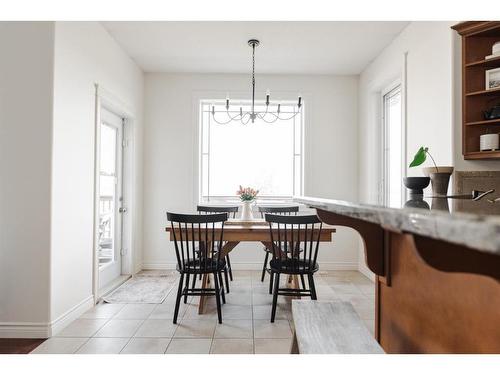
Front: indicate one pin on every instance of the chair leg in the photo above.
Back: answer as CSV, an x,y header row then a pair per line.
x,y
264,268
312,286
187,287
194,282
223,295
303,281
275,296
271,279
178,298
217,298
227,280
229,268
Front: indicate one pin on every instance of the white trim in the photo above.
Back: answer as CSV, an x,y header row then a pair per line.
x,y
257,266
396,85
104,98
45,330
71,315
24,330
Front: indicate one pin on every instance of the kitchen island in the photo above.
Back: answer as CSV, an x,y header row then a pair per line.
x,y
437,271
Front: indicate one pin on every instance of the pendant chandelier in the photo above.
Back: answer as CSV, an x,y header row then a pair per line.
x,y
266,115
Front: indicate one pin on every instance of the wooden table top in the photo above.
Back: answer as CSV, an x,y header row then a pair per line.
x,y
256,231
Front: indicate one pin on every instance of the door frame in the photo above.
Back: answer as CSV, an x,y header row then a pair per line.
x,y
104,98
395,85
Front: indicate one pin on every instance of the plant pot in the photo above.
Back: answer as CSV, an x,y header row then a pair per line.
x,y
440,182
246,210
416,185
440,169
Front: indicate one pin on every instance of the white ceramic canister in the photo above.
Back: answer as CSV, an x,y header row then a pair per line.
x,y
488,142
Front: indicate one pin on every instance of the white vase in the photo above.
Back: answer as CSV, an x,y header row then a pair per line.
x,y
246,211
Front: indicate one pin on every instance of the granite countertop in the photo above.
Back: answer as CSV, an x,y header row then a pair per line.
x,y
468,226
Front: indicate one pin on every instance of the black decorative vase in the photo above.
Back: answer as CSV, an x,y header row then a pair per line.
x,y
416,185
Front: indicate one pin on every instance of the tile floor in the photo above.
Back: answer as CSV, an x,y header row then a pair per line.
x,y
246,329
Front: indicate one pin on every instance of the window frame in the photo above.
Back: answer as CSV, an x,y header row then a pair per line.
x,y
297,181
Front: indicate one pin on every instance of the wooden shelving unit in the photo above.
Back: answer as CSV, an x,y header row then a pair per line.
x,y
477,39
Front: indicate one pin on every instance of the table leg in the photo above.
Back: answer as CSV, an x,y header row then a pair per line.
x,y
205,282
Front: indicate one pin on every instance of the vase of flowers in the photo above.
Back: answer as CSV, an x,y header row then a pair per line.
x,y
247,196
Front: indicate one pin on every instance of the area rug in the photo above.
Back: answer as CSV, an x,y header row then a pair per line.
x,y
142,289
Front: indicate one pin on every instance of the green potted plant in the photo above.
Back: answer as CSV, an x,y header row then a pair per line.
x,y
439,176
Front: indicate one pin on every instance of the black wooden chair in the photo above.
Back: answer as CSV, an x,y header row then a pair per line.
x,y
290,234
231,213
205,233
280,210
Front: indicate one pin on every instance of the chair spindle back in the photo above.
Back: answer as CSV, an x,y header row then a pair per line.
x,y
290,235
193,232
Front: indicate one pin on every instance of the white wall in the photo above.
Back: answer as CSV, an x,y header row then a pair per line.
x,y
26,74
170,153
85,54
429,72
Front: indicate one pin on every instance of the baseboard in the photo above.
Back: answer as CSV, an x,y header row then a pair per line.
x,y
25,330
252,266
71,315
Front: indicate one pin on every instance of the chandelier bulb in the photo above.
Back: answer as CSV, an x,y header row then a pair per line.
x,y
227,103
241,112
300,101
213,110
268,93
279,107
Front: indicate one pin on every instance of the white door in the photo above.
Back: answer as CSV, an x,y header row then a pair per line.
x,y
394,148
110,197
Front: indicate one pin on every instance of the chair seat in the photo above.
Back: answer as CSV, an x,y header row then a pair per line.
x,y
293,266
270,251
211,265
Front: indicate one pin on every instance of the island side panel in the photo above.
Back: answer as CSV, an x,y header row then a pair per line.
x,y
429,311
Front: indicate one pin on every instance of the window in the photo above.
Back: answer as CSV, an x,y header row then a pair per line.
x,y
393,147
265,156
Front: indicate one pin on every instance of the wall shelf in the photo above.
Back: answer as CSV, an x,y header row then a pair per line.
x,y
478,38
484,122
486,63
484,92
482,155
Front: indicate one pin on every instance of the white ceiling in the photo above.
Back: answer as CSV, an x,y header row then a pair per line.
x,y
286,47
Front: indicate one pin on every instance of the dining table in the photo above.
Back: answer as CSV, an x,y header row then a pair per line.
x,y
256,230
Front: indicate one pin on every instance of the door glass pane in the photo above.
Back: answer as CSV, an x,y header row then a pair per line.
x,y
108,149
107,195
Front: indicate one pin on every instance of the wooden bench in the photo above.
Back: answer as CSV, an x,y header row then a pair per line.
x,y
330,328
